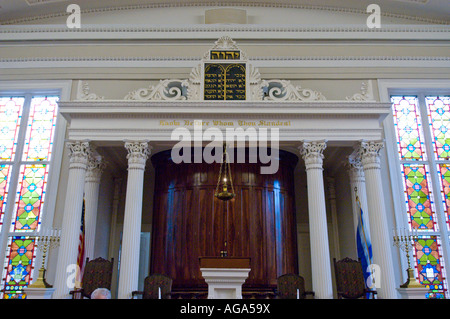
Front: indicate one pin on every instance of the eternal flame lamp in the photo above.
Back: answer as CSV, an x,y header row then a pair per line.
x,y
224,177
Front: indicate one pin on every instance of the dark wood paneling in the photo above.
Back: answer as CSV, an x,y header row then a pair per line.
x,y
189,222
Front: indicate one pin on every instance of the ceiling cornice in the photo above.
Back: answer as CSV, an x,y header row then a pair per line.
x,y
227,4
209,32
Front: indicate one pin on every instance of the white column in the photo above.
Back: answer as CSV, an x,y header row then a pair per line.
x,y
331,187
358,183
381,245
138,153
115,212
79,153
320,252
114,238
91,190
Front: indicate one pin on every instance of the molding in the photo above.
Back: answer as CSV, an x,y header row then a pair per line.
x,y
217,107
14,33
227,4
190,62
291,135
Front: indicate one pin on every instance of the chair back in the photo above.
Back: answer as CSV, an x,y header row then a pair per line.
x,y
97,274
289,286
157,285
350,280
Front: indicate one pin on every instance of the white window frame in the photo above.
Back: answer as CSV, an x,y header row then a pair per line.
x,y
27,89
419,88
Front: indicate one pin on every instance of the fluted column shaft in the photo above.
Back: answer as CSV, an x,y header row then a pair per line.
x,y
320,251
79,153
381,245
129,265
91,191
358,187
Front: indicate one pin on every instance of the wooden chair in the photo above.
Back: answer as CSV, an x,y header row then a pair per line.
x,y
97,274
155,285
350,280
292,286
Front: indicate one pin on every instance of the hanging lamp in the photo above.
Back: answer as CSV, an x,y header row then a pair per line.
x,y
224,178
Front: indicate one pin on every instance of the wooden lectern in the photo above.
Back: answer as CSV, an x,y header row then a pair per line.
x,y
225,276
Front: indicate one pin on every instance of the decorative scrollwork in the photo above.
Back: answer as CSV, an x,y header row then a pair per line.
x,y
84,92
256,91
225,43
195,80
165,90
283,90
365,95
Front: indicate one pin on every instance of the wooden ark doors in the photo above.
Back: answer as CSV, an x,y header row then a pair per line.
x,y
189,222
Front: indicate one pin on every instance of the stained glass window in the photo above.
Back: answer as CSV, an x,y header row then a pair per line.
x,y
10,115
408,127
420,173
430,265
27,126
418,197
19,266
4,178
30,196
40,130
438,108
444,172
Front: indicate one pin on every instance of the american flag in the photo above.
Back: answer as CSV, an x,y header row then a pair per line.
x,y
80,259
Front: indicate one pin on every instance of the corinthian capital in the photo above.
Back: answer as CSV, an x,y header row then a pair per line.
x,y
95,168
355,167
312,153
79,153
138,153
370,154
